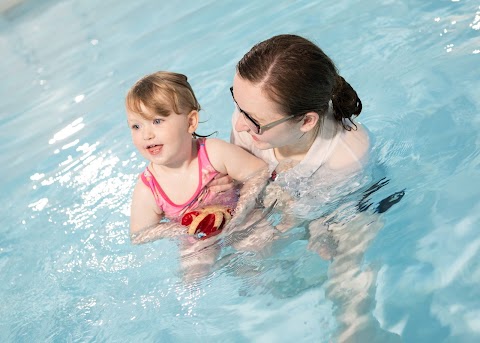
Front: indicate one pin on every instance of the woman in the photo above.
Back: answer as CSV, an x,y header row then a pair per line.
x,y
293,105
296,112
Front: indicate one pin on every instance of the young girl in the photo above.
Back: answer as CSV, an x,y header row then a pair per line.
x,y
162,113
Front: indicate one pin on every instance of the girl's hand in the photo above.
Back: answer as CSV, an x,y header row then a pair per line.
x,y
221,183
158,231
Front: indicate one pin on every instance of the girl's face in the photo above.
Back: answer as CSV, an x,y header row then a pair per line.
x,y
163,140
249,98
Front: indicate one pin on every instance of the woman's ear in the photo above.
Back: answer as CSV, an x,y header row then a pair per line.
x,y
309,121
192,121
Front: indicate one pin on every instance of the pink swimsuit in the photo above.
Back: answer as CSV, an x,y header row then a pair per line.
x,y
201,197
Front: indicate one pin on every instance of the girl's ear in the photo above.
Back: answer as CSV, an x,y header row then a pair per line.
x,y
309,121
192,121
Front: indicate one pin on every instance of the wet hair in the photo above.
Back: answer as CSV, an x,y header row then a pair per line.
x,y
161,93
300,78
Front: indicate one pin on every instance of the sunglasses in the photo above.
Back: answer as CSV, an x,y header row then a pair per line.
x,y
253,125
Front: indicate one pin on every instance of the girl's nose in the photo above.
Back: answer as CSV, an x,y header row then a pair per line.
x,y
148,133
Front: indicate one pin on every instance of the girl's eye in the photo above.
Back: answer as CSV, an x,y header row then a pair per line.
x,y
135,126
157,121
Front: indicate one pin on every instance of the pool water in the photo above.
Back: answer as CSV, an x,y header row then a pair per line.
x,y
69,272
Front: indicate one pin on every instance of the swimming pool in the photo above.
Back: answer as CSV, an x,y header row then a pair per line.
x,y
69,272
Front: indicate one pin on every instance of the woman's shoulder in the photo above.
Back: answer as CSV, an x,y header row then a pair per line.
x,y
351,150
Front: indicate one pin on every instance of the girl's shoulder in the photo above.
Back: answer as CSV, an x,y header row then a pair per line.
x,y
214,150
216,145
142,194
214,141
142,185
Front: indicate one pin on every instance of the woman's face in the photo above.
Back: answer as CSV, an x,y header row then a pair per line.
x,y
251,99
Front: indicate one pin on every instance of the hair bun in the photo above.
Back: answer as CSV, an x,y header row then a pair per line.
x,y
345,100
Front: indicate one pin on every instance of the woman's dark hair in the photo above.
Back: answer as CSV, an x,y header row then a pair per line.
x,y
300,77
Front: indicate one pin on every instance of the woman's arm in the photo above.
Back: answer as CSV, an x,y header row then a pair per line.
x,y
145,217
243,167
221,183
249,193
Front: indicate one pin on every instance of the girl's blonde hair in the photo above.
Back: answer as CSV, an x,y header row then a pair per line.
x,y
161,93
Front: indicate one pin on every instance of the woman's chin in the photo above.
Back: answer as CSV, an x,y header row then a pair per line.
x,y
261,145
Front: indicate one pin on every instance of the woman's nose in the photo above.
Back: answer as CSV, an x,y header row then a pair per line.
x,y
240,124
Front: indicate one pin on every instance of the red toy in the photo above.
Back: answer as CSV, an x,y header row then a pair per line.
x,y
208,221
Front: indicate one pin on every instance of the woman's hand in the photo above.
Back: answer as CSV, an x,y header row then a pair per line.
x,y
221,183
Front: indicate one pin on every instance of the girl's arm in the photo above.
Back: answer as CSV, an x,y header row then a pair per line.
x,y
233,160
145,217
243,167
223,183
158,231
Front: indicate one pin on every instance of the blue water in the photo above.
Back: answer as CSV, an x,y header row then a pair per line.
x,y
69,272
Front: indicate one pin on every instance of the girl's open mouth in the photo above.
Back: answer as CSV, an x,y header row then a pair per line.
x,y
154,149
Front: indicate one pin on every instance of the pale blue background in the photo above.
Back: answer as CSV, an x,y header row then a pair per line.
x,y
68,270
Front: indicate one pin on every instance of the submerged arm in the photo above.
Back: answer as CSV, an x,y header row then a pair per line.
x,y
158,231
249,193
242,167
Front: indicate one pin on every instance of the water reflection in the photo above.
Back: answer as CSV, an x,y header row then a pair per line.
x,y
68,267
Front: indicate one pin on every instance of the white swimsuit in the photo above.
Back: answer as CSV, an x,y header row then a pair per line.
x,y
311,182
